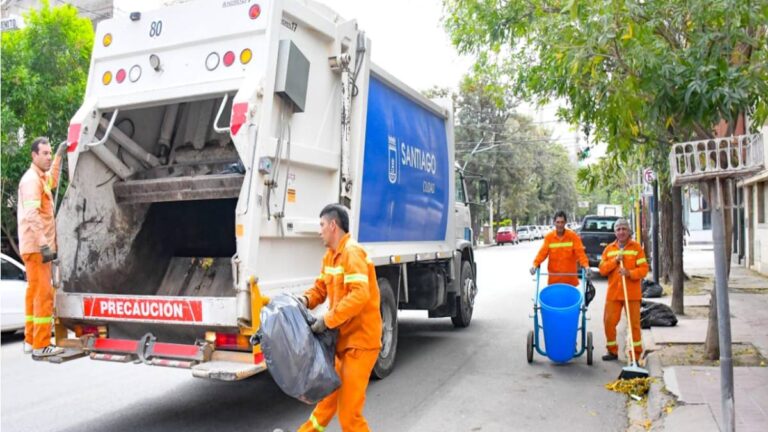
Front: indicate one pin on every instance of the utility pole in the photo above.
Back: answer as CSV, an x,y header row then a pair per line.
x,y
723,307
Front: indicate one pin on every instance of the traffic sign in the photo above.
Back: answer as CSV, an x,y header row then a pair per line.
x,y
649,176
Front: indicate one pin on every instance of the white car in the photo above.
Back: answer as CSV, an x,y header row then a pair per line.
x,y
13,288
525,232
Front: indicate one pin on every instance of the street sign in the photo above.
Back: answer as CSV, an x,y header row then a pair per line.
x,y
648,176
583,204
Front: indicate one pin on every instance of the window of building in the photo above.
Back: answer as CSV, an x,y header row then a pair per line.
x,y
761,202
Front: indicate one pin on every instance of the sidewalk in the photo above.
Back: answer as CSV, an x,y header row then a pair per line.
x,y
697,388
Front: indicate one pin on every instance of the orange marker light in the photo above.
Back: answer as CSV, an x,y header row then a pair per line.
x,y
245,56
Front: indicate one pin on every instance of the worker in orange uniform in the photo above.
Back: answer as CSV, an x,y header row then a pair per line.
x,y
623,258
565,251
348,279
37,245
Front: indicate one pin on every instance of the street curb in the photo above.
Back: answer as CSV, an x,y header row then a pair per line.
x,y
650,411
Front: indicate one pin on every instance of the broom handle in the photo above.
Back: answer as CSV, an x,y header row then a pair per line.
x,y
626,308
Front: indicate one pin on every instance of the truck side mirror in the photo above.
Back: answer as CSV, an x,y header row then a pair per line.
x,y
483,190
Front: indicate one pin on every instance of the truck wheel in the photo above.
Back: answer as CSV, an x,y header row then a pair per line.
x,y
386,361
467,292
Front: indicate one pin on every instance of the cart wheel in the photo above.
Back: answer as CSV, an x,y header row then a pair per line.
x,y
529,346
590,348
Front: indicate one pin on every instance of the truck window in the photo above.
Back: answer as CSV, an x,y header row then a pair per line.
x,y
460,195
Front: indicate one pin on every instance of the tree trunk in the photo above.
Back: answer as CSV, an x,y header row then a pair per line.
x,y
11,240
712,341
665,234
677,251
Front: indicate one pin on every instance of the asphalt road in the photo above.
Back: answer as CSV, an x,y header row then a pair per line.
x,y
475,379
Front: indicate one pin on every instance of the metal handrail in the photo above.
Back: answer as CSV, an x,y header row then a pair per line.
x,y
107,132
218,116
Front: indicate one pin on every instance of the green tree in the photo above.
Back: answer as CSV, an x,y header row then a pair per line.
x,y
530,176
639,75
44,72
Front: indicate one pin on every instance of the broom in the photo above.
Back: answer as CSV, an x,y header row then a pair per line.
x,y
631,370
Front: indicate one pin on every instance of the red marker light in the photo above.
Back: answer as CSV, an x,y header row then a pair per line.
x,y
238,117
120,77
73,136
254,11
229,58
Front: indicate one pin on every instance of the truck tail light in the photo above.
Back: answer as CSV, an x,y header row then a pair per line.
x,y
238,116
106,78
231,341
98,331
254,11
120,77
73,136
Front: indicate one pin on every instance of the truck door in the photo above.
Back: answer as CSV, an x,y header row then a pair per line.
x,y
463,219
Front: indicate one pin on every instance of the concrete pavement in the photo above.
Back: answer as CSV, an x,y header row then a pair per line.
x,y
697,388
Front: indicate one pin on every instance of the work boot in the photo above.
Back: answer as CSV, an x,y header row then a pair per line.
x,y
610,357
27,348
48,351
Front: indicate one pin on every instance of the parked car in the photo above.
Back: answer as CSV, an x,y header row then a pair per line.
x,y
537,234
525,232
13,287
506,235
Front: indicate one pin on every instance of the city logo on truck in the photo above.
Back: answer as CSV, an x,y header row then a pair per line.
x,y
143,309
410,157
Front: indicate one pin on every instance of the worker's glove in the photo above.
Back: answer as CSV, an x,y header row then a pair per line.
x,y
48,254
301,299
533,270
62,150
319,326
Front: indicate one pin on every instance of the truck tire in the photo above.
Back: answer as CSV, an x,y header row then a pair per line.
x,y
386,361
466,301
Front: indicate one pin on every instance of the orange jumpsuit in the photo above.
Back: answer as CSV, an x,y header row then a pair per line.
x,y
36,229
564,252
634,261
348,280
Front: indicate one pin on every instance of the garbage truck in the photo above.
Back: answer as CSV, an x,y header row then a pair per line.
x,y
210,137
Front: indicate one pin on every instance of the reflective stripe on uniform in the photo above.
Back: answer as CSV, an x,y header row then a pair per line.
x,y
334,270
638,343
642,261
31,204
316,424
560,245
355,277
28,318
619,252
42,320
611,343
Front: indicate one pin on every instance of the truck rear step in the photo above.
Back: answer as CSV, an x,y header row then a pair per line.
x,y
227,370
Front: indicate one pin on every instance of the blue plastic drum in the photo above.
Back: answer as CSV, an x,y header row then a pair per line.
x,y
560,308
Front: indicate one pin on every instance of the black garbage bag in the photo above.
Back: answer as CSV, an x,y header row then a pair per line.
x,y
589,292
651,289
301,363
656,315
